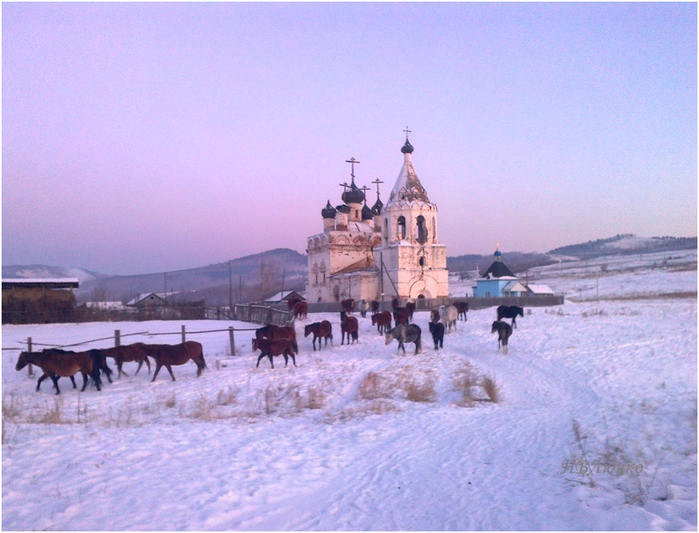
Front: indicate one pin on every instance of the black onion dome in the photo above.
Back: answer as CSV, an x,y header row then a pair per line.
x,y
367,213
407,147
378,206
354,195
328,211
343,209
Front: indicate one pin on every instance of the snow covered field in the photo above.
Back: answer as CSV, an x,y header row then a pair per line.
x,y
359,438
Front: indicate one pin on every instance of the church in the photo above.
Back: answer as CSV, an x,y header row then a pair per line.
x,y
380,252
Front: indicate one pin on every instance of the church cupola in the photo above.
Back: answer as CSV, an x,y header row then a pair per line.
x,y
328,213
354,195
407,147
367,213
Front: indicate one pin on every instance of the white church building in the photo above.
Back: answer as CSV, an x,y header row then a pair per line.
x,y
382,252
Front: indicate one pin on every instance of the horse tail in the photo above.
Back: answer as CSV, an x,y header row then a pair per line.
x,y
95,379
203,362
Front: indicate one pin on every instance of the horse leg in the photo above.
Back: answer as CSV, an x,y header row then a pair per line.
x,y
72,378
42,378
158,365
314,343
293,358
259,359
54,378
271,360
169,369
286,360
121,371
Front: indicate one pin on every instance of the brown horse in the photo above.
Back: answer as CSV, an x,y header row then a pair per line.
x,y
382,321
166,355
272,332
291,302
272,348
300,310
401,316
410,307
434,315
375,307
321,330
56,363
347,305
132,353
349,326
461,310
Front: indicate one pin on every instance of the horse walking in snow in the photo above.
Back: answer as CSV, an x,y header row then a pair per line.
x,y
321,330
504,331
448,314
437,332
403,334
510,311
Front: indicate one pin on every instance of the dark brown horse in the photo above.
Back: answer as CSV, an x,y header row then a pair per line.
x,y
349,326
410,307
461,309
272,348
59,363
166,355
437,332
375,307
300,310
510,311
132,353
291,303
321,330
272,332
401,316
382,321
504,331
347,305
434,315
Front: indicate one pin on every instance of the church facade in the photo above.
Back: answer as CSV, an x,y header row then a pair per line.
x,y
379,252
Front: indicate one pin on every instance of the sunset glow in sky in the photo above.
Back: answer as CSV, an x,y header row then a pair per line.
x,y
153,137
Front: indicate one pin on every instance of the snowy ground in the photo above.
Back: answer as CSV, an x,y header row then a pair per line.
x,y
357,437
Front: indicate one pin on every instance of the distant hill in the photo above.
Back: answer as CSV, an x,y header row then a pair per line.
x,y
625,244
258,276
255,277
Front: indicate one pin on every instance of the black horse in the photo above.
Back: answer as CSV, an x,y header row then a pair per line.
x,y
510,311
504,332
437,331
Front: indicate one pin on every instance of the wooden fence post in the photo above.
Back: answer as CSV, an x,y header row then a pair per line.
x,y
29,349
183,335
231,334
117,338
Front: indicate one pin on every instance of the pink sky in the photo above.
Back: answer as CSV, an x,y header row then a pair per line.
x,y
153,137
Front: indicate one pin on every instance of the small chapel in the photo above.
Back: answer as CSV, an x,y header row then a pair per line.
x,y
380,252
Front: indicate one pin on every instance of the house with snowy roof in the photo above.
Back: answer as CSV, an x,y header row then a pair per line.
x,y
498,281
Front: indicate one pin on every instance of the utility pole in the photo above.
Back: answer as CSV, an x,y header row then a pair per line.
x,y
230,288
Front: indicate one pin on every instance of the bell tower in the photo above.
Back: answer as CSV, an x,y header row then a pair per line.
x,y
411,261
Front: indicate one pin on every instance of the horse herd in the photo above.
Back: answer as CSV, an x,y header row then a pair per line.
x,y
56,363
271,340
281,340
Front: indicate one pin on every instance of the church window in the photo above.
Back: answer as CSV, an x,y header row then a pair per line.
x,y
434,230
401,228
385,230
421,261
421,230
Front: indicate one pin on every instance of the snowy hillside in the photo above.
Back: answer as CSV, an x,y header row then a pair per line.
x,y
49,272
594,427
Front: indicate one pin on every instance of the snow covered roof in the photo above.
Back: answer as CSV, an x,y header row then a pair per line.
x,y
145,296
283,295
540,289
54,283
514,286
